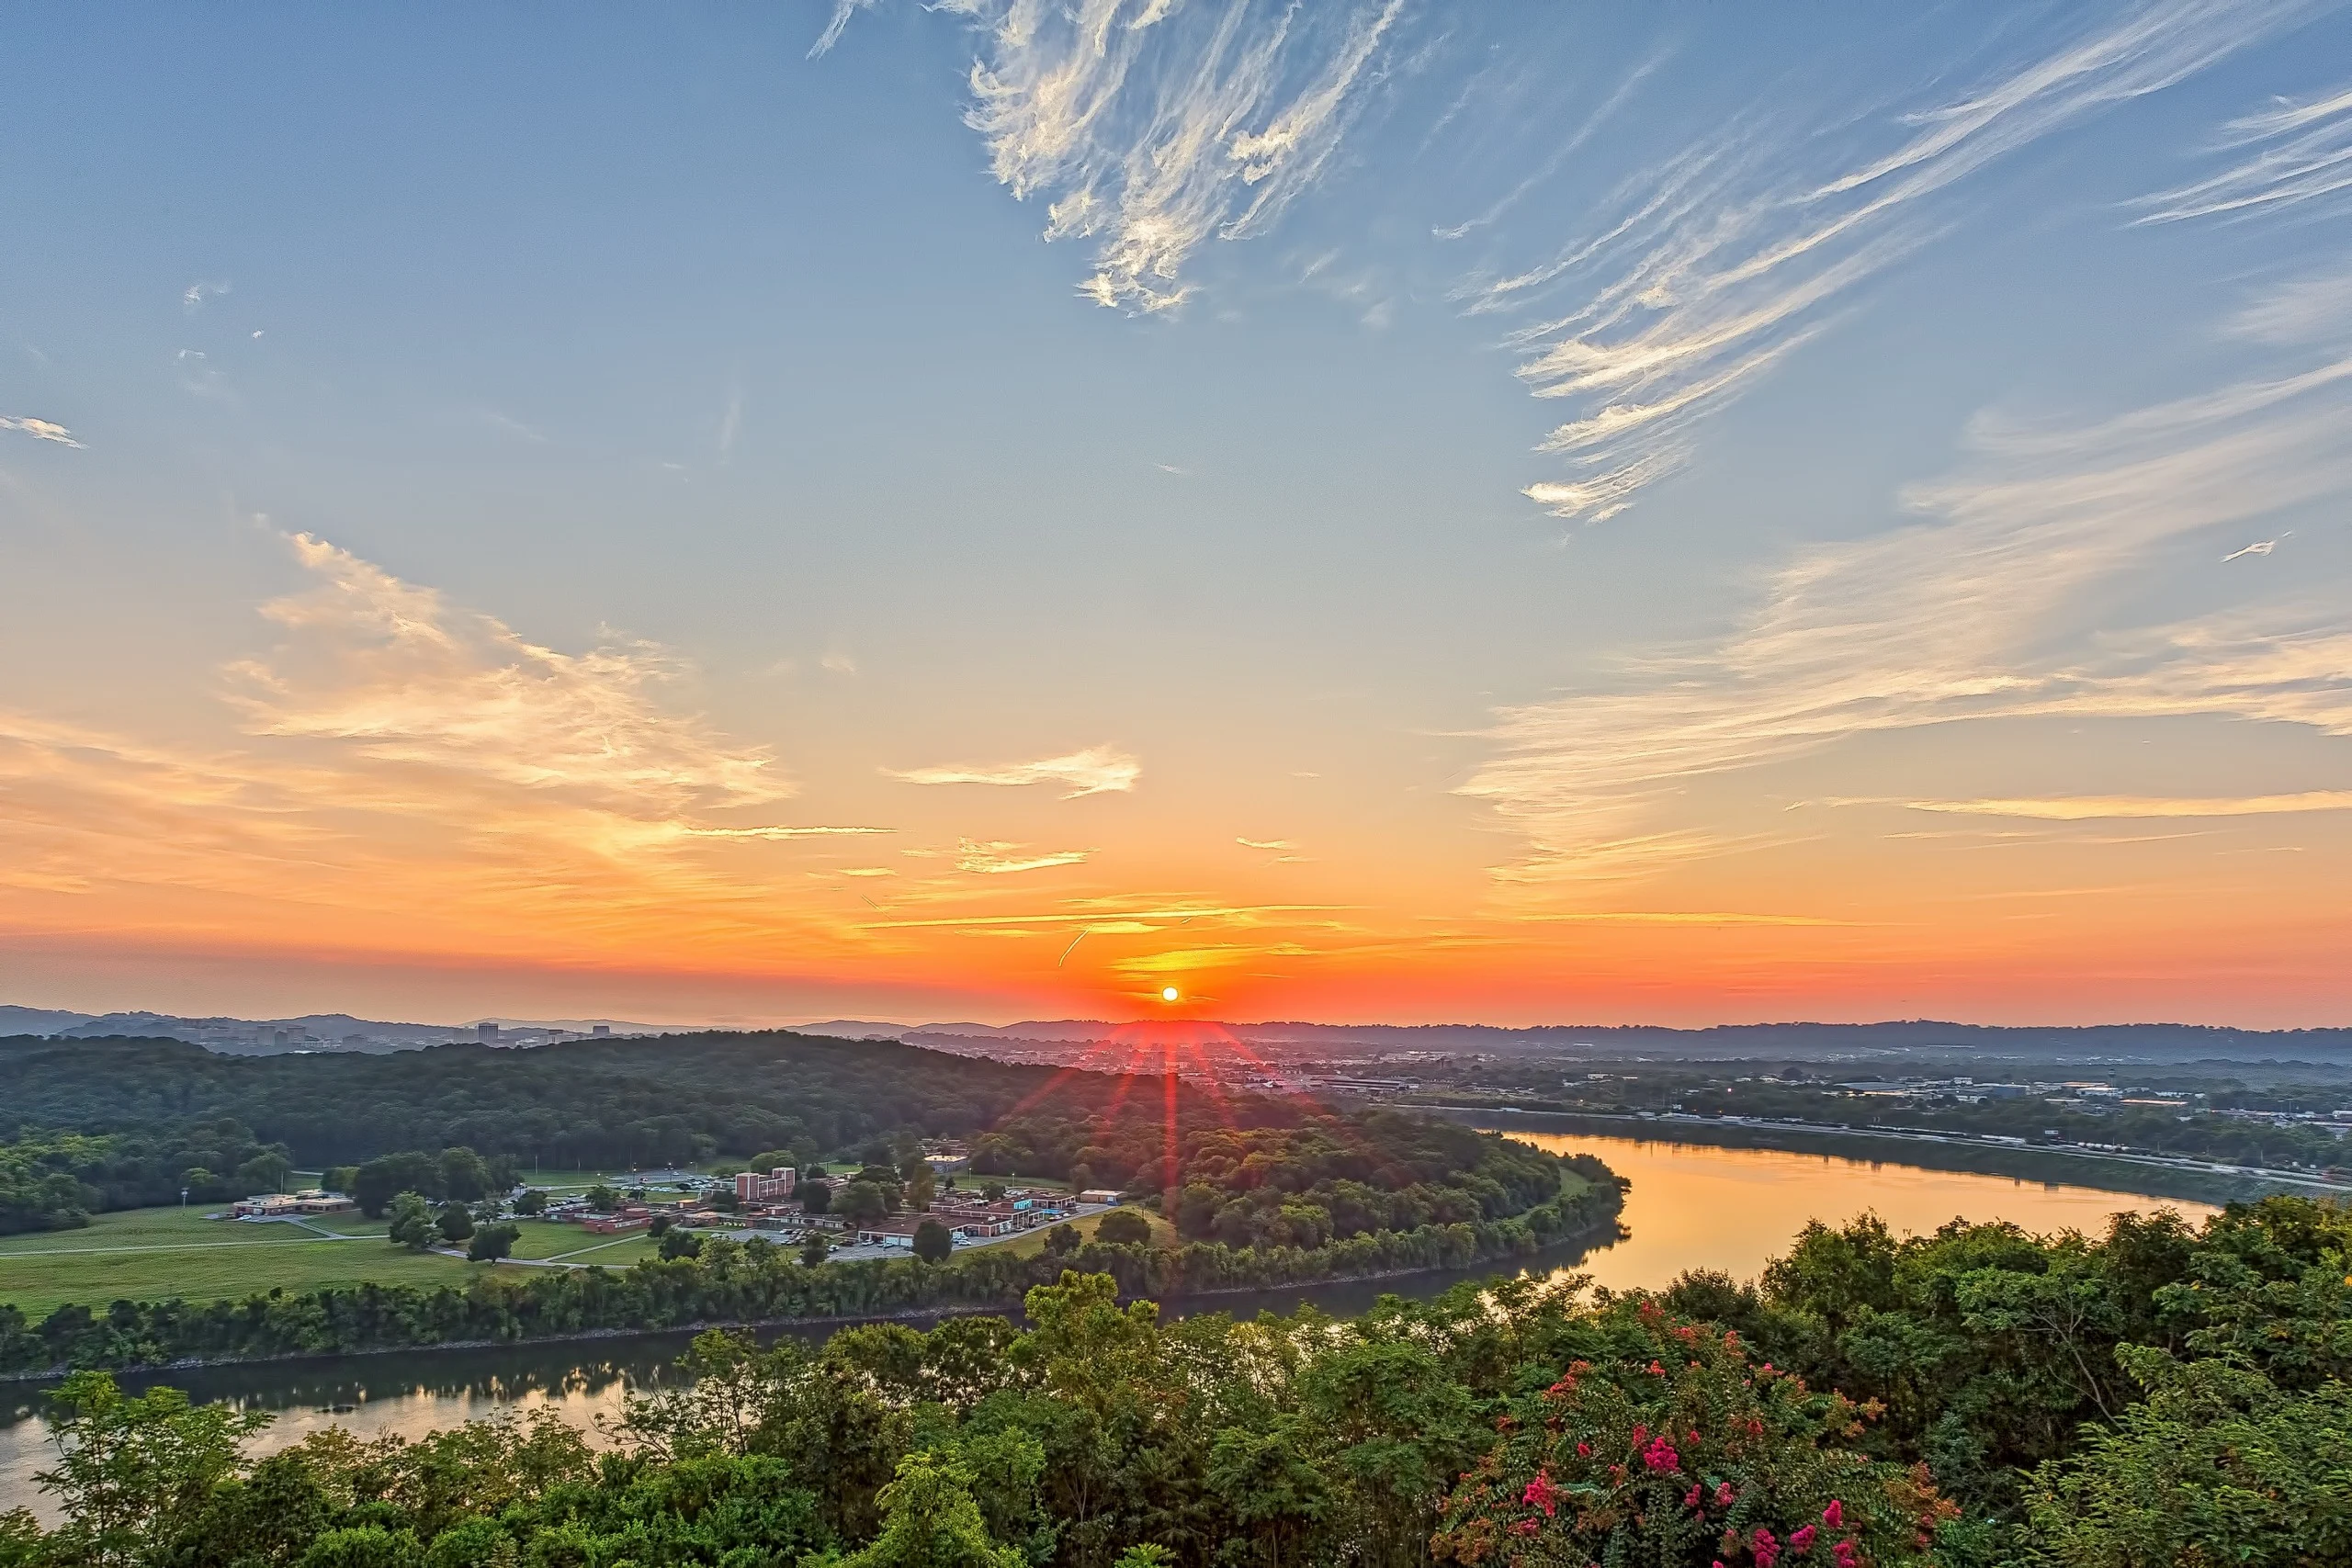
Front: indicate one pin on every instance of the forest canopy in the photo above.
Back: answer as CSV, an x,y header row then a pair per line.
x,y
1979,1396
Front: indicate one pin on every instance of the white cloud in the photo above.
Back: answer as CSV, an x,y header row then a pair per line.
x,y
1095,771
1151,133
38,429
2094,808
508,426
1703,273
997,859
196,294
2294,154
842,11
1982,609
838,663
398,672
731,423
1265,844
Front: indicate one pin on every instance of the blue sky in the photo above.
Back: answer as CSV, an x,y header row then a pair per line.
x,y
1660,512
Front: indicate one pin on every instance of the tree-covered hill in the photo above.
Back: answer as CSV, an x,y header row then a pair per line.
x,y
589,1103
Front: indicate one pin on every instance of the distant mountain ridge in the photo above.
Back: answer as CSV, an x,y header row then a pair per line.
x,y
317,1030
1793,1040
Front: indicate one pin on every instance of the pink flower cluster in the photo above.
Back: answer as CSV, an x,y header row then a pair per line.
x,y
1542,1493
1661,1455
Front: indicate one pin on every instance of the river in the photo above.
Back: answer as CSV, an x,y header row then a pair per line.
x,y
1690,1207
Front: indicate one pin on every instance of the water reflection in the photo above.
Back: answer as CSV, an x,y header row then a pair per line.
x,y
1694,1206
1691,1207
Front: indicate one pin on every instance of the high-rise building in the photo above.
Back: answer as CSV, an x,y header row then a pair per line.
x,y
486,1032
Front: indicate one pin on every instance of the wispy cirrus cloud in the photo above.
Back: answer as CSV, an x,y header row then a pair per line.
x,y
996,859
40,429
1151,129
409,775
398,672
1703,273
2291,156
1098,769
837,24
2094,808
1976,612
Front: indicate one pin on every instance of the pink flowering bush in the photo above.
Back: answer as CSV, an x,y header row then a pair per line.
x,y
1686,1452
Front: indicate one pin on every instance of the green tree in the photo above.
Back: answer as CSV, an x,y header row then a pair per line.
x,y
265,1172
456,1221
862,1203
603,1199
934,1242
1122,1228
465,1175
1063,1239
929,1520
492,1242
816,1197
680,1243
2216,1465
813,1248
921,1188
132,1471
411,1222
375,1184
532,1202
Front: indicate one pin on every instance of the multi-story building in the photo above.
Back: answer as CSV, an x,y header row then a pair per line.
x,y
750,1187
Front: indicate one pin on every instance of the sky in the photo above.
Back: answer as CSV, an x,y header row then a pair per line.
x,y
1356,512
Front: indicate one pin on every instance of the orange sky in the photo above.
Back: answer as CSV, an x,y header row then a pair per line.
x,y
1361,512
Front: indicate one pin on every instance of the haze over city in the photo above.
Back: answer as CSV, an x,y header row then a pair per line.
x,y
1361,512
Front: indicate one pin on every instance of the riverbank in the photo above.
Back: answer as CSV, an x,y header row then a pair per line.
x,y
751,1287
2138,1174
1329,1291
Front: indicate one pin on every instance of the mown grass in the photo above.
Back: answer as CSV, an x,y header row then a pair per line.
x,y
1033,1242
157,1254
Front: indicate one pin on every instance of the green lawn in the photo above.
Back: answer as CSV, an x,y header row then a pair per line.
x,y
1033,1242
546,1239
156,1253
608,1251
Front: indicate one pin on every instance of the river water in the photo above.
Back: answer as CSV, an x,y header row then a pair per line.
x,y
1691,1207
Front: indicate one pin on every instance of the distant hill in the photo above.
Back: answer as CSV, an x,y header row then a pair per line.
x,y
309,1032
38,1020
1065,1038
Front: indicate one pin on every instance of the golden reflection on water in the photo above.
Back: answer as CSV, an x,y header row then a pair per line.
x,y
1692,1206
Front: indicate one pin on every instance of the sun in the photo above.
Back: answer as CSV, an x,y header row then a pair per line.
x,y
1167,993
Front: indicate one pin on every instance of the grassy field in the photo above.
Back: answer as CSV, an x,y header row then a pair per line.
x,y
156,1253
1033,1242
546,1238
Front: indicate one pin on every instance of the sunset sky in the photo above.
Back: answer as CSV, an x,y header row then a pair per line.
x,y
1402,512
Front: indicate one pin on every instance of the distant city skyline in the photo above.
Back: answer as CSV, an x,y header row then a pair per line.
x,y
1368,512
